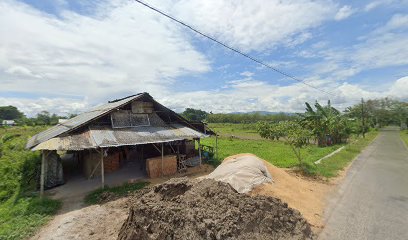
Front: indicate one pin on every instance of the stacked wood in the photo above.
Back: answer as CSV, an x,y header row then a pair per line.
x,y
111,162
154,166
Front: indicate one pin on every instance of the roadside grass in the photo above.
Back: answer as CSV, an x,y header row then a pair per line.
x,y
275,152
330,167
109,193
242,130
404,136
22,217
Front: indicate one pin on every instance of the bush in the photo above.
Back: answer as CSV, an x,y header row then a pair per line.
x,y
19,168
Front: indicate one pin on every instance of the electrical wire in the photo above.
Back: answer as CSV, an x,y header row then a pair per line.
x,y
231,48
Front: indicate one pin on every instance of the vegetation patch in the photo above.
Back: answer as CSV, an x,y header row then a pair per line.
x,y
20,217
111,193
21,211
276,152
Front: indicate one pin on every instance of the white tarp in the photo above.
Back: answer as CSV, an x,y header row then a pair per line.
x,y
243,172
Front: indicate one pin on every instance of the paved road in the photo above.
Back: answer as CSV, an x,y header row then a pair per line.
x,y
372,201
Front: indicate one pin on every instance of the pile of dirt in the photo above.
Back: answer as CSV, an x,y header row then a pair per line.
x,y
306,195
208,209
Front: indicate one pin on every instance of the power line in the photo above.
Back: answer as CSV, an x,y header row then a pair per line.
x,y
232,49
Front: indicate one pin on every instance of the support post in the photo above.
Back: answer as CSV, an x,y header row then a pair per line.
x,y
102,170
42,180
199,150
162,155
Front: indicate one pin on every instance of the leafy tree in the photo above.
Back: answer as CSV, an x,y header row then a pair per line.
x,y
328,125
194,114
296,136
273,131
45,118
380,112
10,113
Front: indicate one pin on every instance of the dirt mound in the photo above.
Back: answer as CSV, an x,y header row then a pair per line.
x,y
207,209
306,195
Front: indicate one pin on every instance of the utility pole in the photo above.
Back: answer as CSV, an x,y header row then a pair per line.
x,y
362,117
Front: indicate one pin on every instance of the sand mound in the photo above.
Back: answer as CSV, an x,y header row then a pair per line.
x,y
308,196
208,209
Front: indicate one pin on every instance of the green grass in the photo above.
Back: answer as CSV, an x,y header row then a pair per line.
x,y
330,166
241,130
275,152
21,212
281,155
99,195
404,136
21,217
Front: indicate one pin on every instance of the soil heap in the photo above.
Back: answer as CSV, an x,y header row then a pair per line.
x,y
190,209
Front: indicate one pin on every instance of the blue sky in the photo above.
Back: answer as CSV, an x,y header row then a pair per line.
x,y
66,56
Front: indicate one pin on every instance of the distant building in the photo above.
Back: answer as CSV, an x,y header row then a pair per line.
x,y
8,123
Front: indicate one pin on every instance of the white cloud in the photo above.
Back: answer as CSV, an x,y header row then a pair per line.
x,y
400,88
244,95
387,3
247,74
343,13
22,71
60,106
385,46
110,54
255,25
124,48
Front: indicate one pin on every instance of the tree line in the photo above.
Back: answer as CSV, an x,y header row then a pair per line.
x,y
42,118
200,115
376,113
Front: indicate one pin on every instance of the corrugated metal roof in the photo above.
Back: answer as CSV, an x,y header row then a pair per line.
x,y
78,121
107,137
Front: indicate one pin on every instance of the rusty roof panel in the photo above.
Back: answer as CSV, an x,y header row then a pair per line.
x,y
78,121
107,137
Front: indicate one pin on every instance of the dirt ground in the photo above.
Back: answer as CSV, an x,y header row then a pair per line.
x,y
75,221
307,195
96,222
183,208
92,222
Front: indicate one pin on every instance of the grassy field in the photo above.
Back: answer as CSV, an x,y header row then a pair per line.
x,y
275,152
280,154
240,130
404,136
21,211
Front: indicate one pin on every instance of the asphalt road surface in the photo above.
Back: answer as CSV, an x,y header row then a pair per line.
x,y
372,201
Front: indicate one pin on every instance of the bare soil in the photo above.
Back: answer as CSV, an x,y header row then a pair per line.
x,y
92,222
307,195
75,221
207,209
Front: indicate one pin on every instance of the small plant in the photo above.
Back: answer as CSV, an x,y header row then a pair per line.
x,y
297,137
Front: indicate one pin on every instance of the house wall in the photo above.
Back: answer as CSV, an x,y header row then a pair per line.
x,y
91,162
